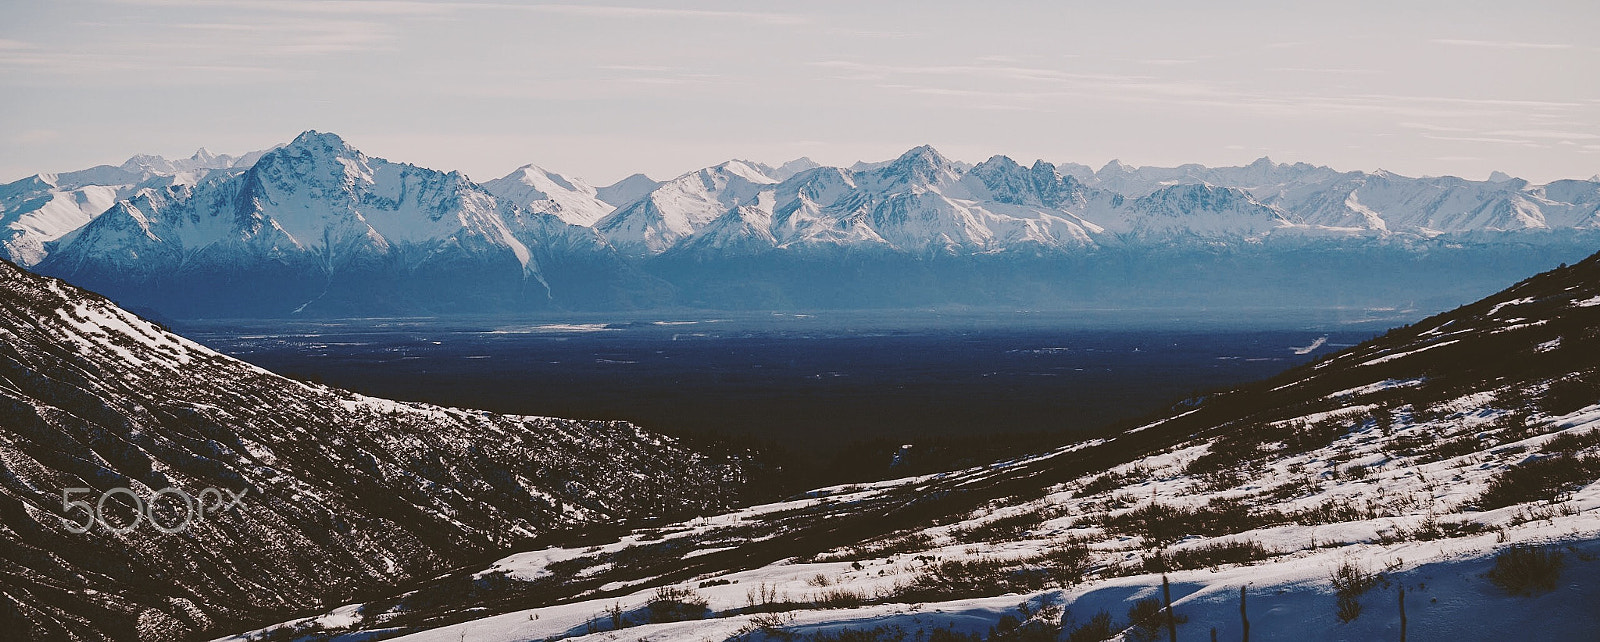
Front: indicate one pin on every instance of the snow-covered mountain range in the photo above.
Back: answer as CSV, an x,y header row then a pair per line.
x,y
317,227
44,207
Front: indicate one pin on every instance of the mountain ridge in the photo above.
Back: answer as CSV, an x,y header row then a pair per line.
x,y
362,243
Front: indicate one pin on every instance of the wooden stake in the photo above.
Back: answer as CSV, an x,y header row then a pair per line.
x,y
1245,619
1402,614
1166,595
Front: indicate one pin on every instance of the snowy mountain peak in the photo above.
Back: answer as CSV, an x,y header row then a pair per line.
x,y
543,191
627,190
1115,166
922,156
743,169
786,170
921,166
312,138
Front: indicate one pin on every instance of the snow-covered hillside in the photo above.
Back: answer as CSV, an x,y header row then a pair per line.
x,y
1455,459
343,496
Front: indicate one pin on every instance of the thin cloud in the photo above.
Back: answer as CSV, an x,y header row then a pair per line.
x,y
1545,133
1499,44
1432,127
1326,70
1482,139
421,8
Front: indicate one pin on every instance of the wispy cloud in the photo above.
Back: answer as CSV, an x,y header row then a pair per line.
x,y
657,74
423,8
1015,82
1482,139
1432,127
648,12
1545,133
292,37
1499,44
1326,70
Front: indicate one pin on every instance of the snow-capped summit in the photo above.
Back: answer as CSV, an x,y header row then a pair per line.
x,y
922,167
626,190
1191,210
308,219
678,208
541,190
39,210
316,206
784,171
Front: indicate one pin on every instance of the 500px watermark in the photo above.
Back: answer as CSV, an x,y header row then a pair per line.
x,y
194,509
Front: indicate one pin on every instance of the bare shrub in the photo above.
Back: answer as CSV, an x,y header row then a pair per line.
x,y
1010,527
1098,628
1350,580
1218,553
1540,479
1526,570
672,604
1146,620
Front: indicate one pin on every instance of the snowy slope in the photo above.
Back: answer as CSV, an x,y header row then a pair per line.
x,y
343,495
1415,461
678,208
626,190
540,190
44,207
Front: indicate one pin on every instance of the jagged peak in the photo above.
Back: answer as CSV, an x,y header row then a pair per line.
x,y
1206,193
1115,165
141,161
998,162
312,138
922,154
747,170
531,173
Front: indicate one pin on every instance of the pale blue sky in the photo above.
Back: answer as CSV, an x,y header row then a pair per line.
x,y
600,91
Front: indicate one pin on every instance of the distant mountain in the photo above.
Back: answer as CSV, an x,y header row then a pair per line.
x,y
1444,478
318,228
543,191
343,495
317,225
676,209
627,190
41,208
